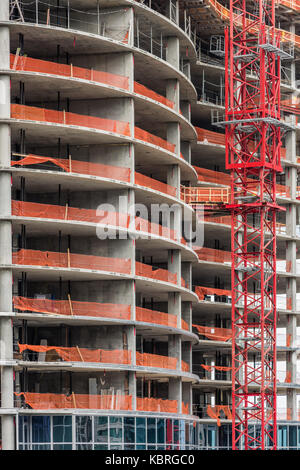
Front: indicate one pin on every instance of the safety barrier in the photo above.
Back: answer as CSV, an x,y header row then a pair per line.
x,y
30,113
152,228
156,405
184,325
223,220
73,307
185,367
210,176
192,195
144,91
50,401
210,368
185,408
70,260
144,136
76,354
210,254
215,334
146,270
48,211
148,182
291,4
153,316
215,411
28,64
155,360
203,135
204,291
75,166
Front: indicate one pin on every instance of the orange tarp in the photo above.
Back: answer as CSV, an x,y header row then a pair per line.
x,y
210,136
157,404
42,66
185,408
217,334
71,307
31,113
49,401
145,136
197,195
152,316
144,91
49,211
155,360
83,354
64,260
214,412
210,176
145,270
220,368
202,291
75,166
184,325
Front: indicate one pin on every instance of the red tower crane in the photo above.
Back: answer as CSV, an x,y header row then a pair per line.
x,y
253,141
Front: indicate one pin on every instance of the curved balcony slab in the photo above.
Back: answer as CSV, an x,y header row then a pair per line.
x,y
39,37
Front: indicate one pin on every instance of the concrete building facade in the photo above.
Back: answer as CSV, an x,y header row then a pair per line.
x,y
114,322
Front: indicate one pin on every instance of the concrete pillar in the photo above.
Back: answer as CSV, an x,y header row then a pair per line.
x,y
186,313
175,391
186,273
185,107
173,135
6,330
174,306
186,151
173,51
173,92
187,395
174,348
174,264
173,177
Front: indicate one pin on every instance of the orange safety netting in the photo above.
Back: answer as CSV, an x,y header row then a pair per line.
x,y
145,270
184,325
49,401
75,166
209,368
155,229
145,136
214,412
31,113
288,377
209,136
217,334
156,405
76,354
71,307
224,220
70,260
153,316
288,340
210,176
144,91
36,65
185,366
210,254
155,360
185,408
48,211
202,291
147,182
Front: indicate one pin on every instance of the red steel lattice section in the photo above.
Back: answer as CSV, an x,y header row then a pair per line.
x,y
253,115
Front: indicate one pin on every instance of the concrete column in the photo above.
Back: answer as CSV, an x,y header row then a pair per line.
x,y
186,313
186,272
174,264
186,150
185,107
173,92
187,395
173,177
173,51
174,306
174,348
173,135
6,330
175,391
291,365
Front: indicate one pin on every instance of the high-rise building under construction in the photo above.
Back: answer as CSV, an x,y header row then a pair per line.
x,y
140,308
